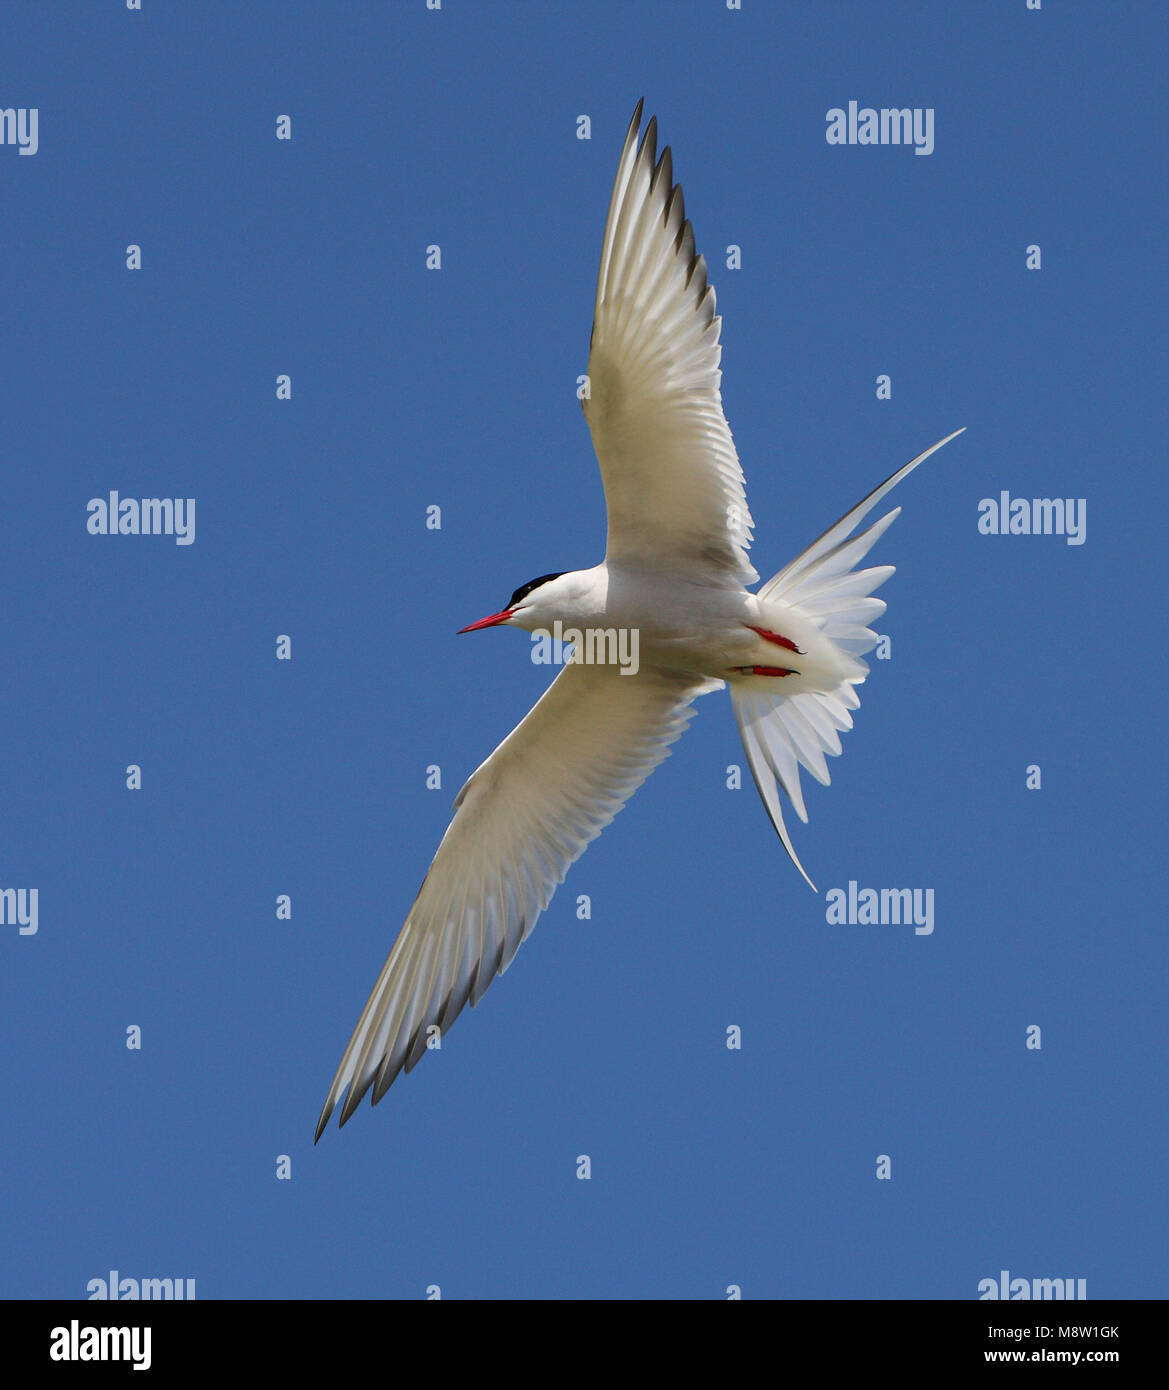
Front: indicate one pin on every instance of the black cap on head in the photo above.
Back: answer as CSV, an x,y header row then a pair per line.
x,y
525,589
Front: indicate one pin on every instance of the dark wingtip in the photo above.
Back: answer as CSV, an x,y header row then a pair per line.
x,y
663,173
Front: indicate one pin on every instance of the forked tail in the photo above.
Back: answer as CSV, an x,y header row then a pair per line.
x,y
781,732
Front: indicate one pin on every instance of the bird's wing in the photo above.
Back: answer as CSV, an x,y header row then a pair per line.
x,y
522,818
673,485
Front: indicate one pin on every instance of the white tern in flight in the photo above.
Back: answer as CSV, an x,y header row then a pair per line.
x,y
675,573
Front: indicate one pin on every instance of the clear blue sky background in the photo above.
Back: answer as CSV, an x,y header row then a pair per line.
x,y
456,388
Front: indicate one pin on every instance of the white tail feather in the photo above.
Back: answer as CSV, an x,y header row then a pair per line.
x,y
782,732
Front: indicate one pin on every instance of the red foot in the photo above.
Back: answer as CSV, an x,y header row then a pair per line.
x,y
773,671
777,639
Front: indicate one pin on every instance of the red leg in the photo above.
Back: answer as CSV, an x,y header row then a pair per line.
x,y
777,639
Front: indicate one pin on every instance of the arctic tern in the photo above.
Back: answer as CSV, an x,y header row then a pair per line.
x,y
676,572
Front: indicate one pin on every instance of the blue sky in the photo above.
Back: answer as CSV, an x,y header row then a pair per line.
x,y
455,388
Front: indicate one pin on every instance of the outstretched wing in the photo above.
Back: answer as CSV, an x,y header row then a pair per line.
x,y
673,485
523,817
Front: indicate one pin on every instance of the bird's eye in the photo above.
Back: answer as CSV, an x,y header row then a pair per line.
x,y
525,589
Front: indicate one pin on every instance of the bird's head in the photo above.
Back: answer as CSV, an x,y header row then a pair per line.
x,y
534,604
